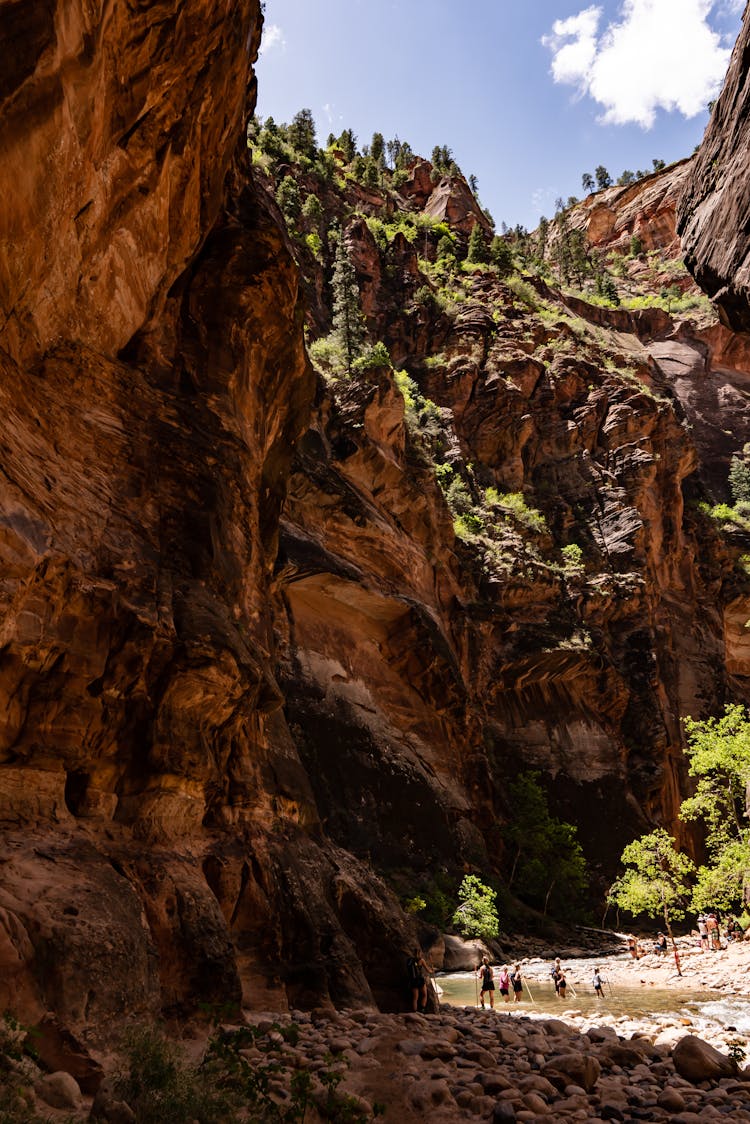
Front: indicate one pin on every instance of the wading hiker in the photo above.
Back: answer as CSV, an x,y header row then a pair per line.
x,y
516,980
703,932
417,970
503,983
555,973
597,983
562,984
487,976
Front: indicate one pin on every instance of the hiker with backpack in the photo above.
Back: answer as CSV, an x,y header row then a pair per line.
x,y
418,972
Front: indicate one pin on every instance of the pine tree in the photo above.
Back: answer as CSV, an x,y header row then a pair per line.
x,y
301,133
377,149
587,181
603,178
348,322
348,145
477,245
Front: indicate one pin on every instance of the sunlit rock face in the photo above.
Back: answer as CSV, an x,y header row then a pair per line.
x,y
715,204
161,843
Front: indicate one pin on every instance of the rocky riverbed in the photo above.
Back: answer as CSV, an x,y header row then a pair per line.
x,y
460,1062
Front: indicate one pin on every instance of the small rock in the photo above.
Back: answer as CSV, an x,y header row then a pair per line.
x,y
503,1113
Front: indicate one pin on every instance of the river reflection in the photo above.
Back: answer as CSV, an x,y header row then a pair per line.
x,y
641,1002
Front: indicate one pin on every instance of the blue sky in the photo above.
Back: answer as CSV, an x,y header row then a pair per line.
x,y
528,94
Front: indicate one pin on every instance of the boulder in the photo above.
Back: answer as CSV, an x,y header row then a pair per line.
x,y
573,1069
696,1061
59,1090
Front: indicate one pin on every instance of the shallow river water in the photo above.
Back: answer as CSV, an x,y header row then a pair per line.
x,y
704,1008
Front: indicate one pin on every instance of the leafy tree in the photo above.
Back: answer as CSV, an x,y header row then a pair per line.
x,y
473,184
587,182
348,322
626,178
476,915
547,864
656,881
718,750
739,476
658,165
477,251
301,133
603,178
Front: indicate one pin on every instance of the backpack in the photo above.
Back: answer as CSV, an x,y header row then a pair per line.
x,y
412,970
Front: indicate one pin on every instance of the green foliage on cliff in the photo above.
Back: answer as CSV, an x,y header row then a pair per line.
x,y
548,868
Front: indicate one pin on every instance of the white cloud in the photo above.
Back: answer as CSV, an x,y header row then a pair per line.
x,y
661,54
273,36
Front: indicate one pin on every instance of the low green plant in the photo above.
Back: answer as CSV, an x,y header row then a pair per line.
x,y
572,558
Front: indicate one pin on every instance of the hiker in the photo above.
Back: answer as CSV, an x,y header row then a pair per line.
x,y
516,980
633,947
714,939
562,984
555,973
418,970
703,932
597,982
660,944
734,930
503,983
487,976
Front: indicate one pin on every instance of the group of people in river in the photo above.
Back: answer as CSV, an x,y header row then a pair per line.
x,y
507,981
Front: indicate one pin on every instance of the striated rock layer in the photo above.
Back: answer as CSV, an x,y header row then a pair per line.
x,y
161,843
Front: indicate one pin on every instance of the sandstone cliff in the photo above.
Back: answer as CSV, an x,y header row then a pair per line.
x,y
714,207
273,643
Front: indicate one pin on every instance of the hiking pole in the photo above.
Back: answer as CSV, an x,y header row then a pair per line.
x,y
435,993
476,991
531,997
609,985
575,994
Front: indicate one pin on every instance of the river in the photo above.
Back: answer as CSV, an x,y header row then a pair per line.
x,y
703,1008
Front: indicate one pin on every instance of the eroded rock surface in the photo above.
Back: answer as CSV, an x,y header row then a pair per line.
x,y
715,204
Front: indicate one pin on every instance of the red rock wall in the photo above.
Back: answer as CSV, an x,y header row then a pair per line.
x,y
161,844
715,204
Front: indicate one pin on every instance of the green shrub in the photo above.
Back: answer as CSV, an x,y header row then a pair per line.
x,y
374,357
573,557
523,291
476,914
